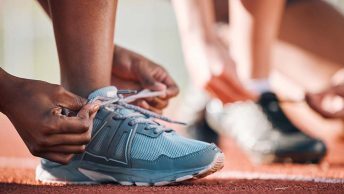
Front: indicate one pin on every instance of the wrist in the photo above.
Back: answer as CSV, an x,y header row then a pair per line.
x,y
121,58
7,85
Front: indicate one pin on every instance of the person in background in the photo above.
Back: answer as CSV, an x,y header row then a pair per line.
x,y
329,103
238,66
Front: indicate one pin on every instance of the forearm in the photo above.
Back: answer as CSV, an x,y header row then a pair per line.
x,y
196,26
7,84
254,27
196,19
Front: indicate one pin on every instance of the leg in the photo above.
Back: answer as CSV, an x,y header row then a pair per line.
x,y
311,44
203,51
255,25
84,32
221,10
133,71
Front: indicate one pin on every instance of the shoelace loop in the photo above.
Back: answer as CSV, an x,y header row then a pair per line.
x,y
118,101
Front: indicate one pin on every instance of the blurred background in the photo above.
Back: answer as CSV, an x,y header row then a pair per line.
x,y
27,46
149,27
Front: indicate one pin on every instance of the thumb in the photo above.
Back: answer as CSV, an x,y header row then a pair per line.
x,y
150,83
157,86
72,101
339,90
88,110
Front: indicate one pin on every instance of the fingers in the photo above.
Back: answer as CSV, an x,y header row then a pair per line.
x,y
157,103
66,149
315,102
338,114
160,80
71,101
57,157
328,103
149,82
172,89
74,125
145,105
339,90
68,139
88,110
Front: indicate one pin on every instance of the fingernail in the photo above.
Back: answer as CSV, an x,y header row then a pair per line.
x,y
95,108
144,105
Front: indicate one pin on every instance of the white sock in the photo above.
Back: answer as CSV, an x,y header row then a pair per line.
x,y
259,85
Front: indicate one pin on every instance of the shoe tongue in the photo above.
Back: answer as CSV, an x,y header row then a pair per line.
x,y
109,91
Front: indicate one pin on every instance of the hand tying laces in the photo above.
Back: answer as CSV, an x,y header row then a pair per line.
x,y
139,115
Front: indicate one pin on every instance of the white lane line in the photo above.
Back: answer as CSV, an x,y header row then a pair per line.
x,y
274,176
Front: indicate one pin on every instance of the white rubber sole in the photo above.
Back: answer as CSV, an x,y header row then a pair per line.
x,y
217,164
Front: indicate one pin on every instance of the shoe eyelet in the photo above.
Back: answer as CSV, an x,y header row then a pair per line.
x,y
130,124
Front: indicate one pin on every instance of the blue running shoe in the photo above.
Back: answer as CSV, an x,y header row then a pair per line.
x,y
130,148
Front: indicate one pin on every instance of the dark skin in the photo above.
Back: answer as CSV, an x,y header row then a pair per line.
x,y
84,33
85,41
133,71
35,109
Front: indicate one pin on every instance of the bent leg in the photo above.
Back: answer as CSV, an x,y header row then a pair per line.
x,y
310,41
254,27
84,33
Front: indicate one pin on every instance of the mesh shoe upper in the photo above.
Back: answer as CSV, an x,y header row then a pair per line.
x,y
123,134
169,144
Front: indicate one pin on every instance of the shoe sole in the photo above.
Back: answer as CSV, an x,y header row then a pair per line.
x,y
217,164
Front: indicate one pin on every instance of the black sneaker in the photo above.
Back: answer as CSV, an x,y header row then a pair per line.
x,y
264,131
200,130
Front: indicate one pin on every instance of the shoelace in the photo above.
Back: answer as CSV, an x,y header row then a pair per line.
x,y
120,102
